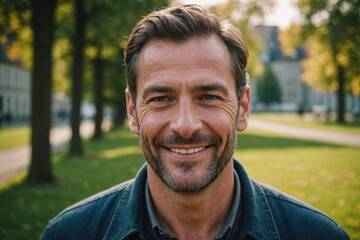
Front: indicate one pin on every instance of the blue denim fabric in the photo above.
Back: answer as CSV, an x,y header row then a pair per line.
x,y
120,213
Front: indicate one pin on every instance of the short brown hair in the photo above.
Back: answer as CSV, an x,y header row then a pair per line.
x,y
181,23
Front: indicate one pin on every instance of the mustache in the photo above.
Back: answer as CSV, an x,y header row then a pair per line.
x,y
196,138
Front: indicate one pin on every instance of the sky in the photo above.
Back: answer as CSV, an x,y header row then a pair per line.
x,y
282,15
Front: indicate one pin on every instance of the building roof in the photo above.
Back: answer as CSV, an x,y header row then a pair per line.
x,y
269,37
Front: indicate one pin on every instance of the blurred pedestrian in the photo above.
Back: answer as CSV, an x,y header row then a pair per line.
x,y
301,110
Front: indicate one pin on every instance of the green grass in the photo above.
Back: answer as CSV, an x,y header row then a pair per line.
x,y
11,137
326,176
25,209
323,175
308,121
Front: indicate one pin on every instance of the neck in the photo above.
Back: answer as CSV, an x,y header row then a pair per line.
x,y
192,215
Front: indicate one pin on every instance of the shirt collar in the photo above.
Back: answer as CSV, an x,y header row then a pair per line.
x,y
257,220
230,226
155,225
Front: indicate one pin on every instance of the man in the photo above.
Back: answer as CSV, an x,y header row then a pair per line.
x,y
187,97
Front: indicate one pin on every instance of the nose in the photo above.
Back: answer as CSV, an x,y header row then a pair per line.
x,y
186,120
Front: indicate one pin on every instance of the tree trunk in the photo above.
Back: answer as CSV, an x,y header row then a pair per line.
x,y
120,102
99,99
341,95
76,148
120,113
40,169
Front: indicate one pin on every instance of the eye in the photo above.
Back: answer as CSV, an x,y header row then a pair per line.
x,y
159,99
209,97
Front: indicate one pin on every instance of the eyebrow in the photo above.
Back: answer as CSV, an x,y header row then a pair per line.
x,y
210,87
198,88
157,89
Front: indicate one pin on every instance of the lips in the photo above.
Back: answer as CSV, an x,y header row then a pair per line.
x,y
196,144
187,151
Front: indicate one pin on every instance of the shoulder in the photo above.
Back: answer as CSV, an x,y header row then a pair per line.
x,y
89,217
101,197
294,217
112,214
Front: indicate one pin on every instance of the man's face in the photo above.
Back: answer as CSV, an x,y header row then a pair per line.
x,y
186,111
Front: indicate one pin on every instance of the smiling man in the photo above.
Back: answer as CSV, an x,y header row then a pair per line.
x,y
185,112
187,98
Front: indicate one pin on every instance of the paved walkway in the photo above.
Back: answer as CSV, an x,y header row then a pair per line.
x,y
347,139
15,160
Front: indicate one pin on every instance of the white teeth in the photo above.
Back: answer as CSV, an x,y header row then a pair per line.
x,y
187,151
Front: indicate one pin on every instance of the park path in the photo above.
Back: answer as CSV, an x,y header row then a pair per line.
x,y
348,139
15,160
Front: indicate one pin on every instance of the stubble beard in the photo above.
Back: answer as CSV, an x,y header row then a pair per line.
x,y
191,184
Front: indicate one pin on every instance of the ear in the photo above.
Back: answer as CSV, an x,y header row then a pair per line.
x,y
244,111
131,113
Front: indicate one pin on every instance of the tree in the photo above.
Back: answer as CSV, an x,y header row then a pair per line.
x,y
267,87
21,22
332,35
15,30
99,86
63,46
115,88
42,25
77,77
102,41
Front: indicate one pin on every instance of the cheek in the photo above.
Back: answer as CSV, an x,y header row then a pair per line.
x,y
221,121
152,123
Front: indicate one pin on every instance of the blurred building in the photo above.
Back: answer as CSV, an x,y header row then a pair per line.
x,y
287,69
15,90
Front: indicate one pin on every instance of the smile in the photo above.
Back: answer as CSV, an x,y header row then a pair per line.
x,y
187,151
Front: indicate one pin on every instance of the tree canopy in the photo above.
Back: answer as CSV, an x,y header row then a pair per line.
x,y
331,34
267,88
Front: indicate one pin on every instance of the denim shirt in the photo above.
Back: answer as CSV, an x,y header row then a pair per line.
x,y
121,213
229,229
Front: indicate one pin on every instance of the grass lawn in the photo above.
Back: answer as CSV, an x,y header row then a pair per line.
x,y
14,136
308,121
326,176
321,174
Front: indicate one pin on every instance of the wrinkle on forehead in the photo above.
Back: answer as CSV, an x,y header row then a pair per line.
x,y
207,52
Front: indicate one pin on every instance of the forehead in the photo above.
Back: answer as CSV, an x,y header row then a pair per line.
x,y
209,52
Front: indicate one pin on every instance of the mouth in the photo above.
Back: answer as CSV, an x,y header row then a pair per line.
x,y
187,151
